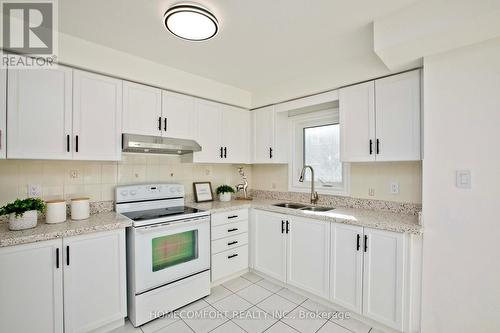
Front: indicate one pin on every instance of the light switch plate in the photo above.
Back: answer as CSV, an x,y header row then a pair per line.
x,y
394,188
463,179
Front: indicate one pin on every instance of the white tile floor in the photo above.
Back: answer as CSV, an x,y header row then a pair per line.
x,y
251,304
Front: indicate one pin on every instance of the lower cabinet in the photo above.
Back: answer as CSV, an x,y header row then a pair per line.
x,y
93,286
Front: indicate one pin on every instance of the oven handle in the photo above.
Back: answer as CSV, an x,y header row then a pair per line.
x,y
167,225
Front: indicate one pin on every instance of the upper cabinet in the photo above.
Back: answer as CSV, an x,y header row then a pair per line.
x,y
3,113
178,115
380,120
141,109
271,136
97,112
223,132
39,116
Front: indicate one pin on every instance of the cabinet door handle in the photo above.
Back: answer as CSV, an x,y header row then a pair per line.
x,y
378,146
67,255
165,124
221,150
270,152
67,143
282,226
366,243
371,146
231,230
232,256
287,226
358,243
232,243
225,152
76,143
57,258
232,217
159,123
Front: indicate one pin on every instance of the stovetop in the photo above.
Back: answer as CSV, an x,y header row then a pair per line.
x,y
151,214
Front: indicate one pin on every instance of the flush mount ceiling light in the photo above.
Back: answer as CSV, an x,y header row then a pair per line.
x,y
191,22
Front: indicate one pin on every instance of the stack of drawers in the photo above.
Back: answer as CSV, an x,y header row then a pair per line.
x,y
229,243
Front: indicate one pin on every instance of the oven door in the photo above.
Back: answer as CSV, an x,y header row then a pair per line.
x,y
167,252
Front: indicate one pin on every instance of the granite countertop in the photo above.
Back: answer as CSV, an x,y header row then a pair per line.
x,y
43,231
354,216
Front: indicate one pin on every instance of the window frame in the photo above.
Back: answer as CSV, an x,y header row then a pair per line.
x,y
297,139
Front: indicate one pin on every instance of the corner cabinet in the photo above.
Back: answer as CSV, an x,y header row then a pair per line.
x,y
3,113
380,120
75,284
271,136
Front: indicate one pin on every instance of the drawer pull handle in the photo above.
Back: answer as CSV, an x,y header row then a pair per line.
x,y
231,230
232,216
232,256
232,243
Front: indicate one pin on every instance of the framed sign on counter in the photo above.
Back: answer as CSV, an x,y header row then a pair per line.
x,y
203,192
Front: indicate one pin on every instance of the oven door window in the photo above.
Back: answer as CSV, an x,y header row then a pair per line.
x,y
171,250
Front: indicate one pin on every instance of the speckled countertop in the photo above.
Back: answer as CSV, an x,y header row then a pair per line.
x,y
43,231
363,217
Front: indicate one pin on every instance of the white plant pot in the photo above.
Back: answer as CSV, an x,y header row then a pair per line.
x,y
26,221
225,196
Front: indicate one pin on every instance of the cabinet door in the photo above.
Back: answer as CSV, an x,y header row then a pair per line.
x,y
357,123
269,252
178,115
141,109
39,113
236,134
3,112
264,121
94,280
346,266
384,265
398,117
308,255
208,132
97,112
31,288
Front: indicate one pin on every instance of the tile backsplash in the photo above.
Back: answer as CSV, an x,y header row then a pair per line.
x,y
97,180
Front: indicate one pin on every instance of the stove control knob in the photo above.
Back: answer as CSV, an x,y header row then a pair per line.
x,y
124,193
172,190
133,192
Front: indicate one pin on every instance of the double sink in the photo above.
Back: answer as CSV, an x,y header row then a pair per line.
x,y
303,207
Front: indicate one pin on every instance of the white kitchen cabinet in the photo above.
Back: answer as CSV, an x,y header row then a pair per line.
x,y
94,280
31,289
97,117
271,136
269,250
357,122
3,113
308,256
208,132
380,120
142,109
178,115
346,266
236,124
398,117
384,276
39,113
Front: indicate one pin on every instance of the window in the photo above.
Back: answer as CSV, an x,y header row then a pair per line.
x,y
316,142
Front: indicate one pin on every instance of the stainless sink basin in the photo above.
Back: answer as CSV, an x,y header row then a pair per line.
x,y
317,209
290,205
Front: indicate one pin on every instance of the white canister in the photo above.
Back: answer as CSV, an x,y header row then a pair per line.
x,y
56,211
80,209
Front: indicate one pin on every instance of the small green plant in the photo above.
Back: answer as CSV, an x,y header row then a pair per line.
x,y
224,189
19,207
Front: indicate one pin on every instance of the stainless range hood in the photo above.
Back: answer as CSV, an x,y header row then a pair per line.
x,y
134,143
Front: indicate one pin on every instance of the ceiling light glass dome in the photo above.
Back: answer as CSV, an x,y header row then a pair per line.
x,y
191,22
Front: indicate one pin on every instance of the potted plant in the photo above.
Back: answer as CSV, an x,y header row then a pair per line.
x,y
23,214
224,192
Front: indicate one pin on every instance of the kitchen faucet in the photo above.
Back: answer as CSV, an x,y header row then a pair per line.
x,y
314,195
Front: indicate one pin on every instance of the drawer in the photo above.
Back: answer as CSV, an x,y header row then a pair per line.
x,y
231,242
229,262
230,229
229,217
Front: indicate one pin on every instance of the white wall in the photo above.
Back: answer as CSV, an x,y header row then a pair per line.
x,y
461,259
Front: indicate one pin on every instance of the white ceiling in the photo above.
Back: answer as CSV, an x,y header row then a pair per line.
x,y
261,43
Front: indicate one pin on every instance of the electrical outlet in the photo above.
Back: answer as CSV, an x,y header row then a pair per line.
x,y
371,192
207,172
34,191
394,188
73,174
